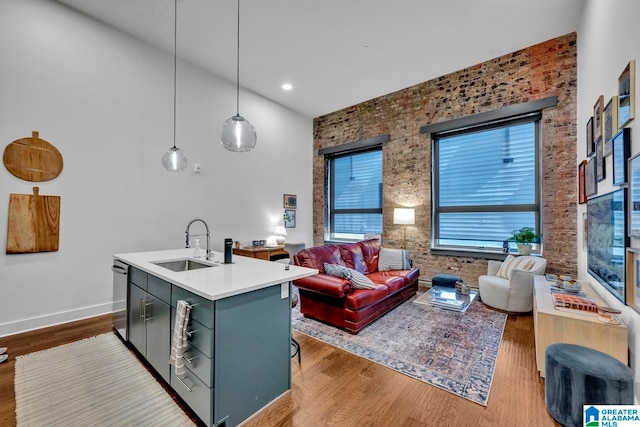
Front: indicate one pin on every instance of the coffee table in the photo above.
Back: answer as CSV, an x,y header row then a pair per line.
x,y
447,298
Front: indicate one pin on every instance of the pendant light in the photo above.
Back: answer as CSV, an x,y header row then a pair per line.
x,y
238,134
175,160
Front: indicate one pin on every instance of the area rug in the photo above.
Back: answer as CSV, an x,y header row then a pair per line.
x,y
92,382
453,351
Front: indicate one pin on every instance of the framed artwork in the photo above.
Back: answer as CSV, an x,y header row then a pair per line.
x,y
621,151
610,123
584,231
598,124
582,195
600,168
627,94
590,184
290,201
633,278
591,147
289,218
633,168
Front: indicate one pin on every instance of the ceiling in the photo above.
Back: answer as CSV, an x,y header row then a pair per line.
x,y
338,53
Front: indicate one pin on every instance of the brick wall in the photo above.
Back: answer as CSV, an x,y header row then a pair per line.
x,y
539,71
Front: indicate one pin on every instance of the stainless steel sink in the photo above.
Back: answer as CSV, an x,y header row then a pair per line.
x,y
185,264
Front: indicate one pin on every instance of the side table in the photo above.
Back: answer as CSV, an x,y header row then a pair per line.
x,y
262,252
564,326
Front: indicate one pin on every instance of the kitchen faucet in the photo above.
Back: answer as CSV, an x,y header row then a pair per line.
x,y
208,257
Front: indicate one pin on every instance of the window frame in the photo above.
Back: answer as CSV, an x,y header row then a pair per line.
x,y
330,210
536,207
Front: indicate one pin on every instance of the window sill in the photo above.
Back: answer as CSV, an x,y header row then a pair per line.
x,y
470,253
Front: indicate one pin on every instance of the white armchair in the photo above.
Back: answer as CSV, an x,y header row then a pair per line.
x,y
509,287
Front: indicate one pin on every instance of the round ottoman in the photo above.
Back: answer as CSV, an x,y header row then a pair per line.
x,y
577,375
445,280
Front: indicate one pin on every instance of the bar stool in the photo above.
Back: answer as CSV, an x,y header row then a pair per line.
x,y
294,343
292,249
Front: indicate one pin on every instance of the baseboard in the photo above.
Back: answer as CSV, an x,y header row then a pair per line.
x,y
25,325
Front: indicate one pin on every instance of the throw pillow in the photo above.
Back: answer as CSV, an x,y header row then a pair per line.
x,y
336,270
511,263
357,279
393,259
360,281
504,268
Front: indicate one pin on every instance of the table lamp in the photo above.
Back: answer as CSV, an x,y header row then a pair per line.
x,y
280,232
404,216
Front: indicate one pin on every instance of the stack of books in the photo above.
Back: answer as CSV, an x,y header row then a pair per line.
x,y
574,302
447,299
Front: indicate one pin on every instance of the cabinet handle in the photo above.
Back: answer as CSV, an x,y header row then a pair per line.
x,y
147,304
189,359
184,384
142,314
190,333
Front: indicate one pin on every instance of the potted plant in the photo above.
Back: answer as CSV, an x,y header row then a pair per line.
x,y
524,238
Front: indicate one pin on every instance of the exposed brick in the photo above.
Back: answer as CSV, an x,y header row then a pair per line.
x,y
539,71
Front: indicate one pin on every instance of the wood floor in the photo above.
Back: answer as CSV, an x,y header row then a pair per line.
x,y
335,388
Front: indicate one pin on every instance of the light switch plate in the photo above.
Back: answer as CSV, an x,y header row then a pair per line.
x,y
284,290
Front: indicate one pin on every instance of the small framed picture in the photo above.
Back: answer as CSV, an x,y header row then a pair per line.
x,y
627,94
290,201
591,147
633,278
600,167
633,168
582,195
598,124
621,151
584,231
610,123
590,184
289,218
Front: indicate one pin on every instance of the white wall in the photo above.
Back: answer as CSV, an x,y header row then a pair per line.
x,y
608,38
105,100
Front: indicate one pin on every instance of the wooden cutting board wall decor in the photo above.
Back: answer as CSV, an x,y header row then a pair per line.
x,y
34,223
33,159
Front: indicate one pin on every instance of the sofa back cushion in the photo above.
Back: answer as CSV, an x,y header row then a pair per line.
x,y
370,253
351,254
316,257
361,256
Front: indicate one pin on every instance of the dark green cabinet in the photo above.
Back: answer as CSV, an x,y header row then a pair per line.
x,y
150,320
239,355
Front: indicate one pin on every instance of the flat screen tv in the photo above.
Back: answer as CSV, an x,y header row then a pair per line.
x,y
607,240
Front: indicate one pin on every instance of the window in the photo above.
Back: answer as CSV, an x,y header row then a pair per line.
x,y
485,184
354,195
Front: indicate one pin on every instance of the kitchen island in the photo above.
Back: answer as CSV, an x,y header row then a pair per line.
x,y
238,360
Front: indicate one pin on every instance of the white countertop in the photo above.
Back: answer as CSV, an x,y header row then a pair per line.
x,y
222,280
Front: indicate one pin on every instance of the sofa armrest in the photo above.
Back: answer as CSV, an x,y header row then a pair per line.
x,y
332,286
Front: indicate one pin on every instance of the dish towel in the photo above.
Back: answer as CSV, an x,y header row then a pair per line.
x,y
180,342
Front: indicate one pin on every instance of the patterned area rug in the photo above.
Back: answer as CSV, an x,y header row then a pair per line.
x,y
93,382
454,351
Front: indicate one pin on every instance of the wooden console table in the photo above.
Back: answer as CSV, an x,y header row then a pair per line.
x,y
262,252
562,326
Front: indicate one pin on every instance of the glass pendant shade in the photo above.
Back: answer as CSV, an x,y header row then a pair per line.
x,y
238,134
174,160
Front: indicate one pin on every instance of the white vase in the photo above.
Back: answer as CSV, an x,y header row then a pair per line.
x,y
524,248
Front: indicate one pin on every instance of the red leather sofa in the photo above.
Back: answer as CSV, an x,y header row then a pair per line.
x,y
333,300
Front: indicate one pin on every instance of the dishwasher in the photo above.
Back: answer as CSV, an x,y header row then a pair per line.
x,y
120,274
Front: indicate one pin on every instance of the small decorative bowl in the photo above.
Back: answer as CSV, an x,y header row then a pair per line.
x,y
571,286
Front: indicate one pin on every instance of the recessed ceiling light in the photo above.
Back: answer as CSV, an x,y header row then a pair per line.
x,y
287,86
